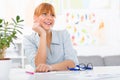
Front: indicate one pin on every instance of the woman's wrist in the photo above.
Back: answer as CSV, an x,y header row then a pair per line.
x,y
43,35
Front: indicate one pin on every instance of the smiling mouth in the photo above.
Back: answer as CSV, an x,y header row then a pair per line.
x,y
47,23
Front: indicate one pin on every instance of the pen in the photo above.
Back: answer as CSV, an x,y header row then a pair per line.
x,y
28,72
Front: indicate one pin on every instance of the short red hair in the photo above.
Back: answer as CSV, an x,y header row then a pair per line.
x,y
44,8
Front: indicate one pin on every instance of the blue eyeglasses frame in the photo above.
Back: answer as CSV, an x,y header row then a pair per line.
x,y
82,67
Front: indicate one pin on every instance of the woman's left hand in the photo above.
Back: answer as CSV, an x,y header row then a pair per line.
x,y
43,68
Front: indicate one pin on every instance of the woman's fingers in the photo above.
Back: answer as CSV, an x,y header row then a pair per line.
x,y
42,68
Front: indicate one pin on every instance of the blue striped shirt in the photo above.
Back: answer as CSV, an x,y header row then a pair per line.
x,y
60,48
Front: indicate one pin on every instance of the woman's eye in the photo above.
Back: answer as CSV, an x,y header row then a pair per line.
x,y
44,14
52,15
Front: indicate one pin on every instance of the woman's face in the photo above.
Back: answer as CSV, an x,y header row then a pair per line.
x,y
45,20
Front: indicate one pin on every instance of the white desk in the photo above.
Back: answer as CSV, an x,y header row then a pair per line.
x,y
98,73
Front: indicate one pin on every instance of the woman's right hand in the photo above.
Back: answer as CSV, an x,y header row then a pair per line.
x,y
36,26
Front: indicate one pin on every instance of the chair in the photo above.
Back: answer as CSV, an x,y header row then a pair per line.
x,y
95,60
112,60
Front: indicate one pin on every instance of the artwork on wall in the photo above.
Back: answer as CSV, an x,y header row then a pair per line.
x,y
85,27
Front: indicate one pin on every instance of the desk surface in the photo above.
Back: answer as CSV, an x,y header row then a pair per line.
x,y
98,73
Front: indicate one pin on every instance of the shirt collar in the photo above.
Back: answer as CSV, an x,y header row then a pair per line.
x,y
55,38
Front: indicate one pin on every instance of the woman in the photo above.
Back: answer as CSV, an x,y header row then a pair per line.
x,y
46,49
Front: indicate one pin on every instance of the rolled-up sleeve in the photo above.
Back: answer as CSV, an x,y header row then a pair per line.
x,y
29,49
70,52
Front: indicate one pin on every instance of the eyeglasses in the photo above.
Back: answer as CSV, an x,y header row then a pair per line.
x,y
82,67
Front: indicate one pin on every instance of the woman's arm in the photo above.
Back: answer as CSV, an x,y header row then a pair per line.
x,y
40,57
55,67
63,65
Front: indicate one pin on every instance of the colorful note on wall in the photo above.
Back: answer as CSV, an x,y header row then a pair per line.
x,y
86,28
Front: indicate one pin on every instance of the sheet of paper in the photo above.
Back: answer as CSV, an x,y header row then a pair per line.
x,y
76,75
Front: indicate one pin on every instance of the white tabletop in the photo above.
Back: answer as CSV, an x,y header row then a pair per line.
x,y
98,73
